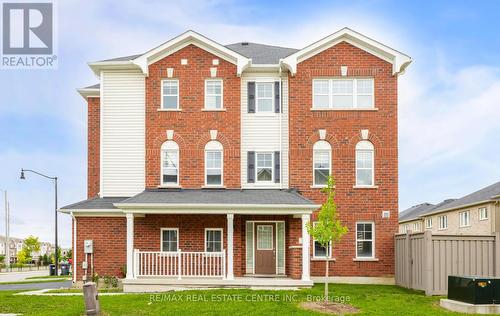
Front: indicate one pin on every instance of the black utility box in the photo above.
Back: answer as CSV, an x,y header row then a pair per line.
x,y
474,290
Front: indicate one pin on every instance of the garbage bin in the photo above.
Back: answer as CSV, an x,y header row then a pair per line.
x,y
64,269
52,269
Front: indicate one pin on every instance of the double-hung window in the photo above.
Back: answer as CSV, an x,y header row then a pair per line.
x,y
428,222
213,163
213,239
343,93
364,164
483,213
170,94
170,164
442,222
319,251
213,94
365,240
264,97
264,167
321,163
464,219
416,227
169,239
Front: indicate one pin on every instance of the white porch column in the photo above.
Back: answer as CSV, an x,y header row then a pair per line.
x,y
130,246
305,248
230,219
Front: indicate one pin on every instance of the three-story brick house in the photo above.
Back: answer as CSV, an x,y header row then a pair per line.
x,y
205,162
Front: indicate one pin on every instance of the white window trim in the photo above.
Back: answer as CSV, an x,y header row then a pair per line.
x,y
221,94
272,237
372,150
257,168
178,95
416,227
329,164
221,238
266,113
427,221
463,225
443,219
161,238
372,240
162,157
481,218
330,255
221,168
354,96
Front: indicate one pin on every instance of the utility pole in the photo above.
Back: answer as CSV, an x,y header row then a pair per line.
x,y
7,250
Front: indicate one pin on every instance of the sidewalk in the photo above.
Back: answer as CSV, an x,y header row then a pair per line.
x,y
16,276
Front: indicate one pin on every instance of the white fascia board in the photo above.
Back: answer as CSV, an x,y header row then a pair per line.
x,y
185,39
398,60
193,208
89,93
95,212
99,66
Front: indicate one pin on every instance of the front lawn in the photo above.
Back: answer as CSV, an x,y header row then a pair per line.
x,y
370,299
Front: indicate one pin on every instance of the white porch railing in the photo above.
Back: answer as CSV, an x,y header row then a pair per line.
x,y
180,264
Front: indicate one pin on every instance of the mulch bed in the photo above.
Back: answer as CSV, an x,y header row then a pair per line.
x,y
330,308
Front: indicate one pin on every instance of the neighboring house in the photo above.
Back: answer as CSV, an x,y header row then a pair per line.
x,y
208,161
474,214
16,245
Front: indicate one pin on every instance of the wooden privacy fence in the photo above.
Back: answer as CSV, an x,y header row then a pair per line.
x,y
424,261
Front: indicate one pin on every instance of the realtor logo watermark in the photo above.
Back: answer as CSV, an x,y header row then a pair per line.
x,y
28,35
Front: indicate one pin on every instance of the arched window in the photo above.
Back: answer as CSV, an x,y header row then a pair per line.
x,y
169,163
214,163
322,163
364,164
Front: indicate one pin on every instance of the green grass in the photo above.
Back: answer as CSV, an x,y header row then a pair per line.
x,y
370,299
111,290
50,277
34,281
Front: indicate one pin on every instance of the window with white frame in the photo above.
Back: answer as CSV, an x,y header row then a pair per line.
x,y
416,227
213,94
170,94
170,164
402,229
464,219
364,163
428,222
443,222
322,157
319,251
213,163
365,240
343,93
213,239
264,167
483,213
169,239
264,97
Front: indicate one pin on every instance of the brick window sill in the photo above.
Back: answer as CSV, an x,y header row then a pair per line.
x,y
213,187
214,110
323,259
365,187
319,186
169,110
345,109
169,187
365,259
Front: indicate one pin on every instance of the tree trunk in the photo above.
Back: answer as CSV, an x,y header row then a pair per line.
x,y
326,275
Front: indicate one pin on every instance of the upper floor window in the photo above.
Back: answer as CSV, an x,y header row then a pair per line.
x,y
264,97
364,164
416,226
354,93
170,94
365,240
322,157
213,163
213,94
428,222
483,213
170,163
264,167
464,219
443,222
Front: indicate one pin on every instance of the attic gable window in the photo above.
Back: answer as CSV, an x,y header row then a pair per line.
x,y
345,93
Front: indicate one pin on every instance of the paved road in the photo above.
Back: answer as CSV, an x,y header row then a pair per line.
x,y
35,286
16,276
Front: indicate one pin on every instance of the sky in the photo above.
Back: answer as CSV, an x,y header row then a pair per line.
x,y
449,97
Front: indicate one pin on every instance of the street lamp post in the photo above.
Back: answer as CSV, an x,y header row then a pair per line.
x,y
55,204
7,250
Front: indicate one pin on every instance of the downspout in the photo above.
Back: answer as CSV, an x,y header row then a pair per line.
x,y
281,127
75,266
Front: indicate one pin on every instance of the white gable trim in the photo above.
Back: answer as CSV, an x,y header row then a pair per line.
x,y
185,39
398,60
89,93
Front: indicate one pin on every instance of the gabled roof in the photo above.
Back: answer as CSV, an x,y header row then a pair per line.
x,y
484,195
262,54
90,91
398,60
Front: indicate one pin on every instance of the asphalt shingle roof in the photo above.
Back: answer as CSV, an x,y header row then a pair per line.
x,y
96,203
214,196
260,53
485,194
415,211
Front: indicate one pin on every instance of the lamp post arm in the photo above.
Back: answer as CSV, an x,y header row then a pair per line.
x,y
40,174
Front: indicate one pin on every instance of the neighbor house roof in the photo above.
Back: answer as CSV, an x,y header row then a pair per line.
x,y
414,212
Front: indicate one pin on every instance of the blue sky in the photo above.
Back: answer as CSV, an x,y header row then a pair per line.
x,y
448,99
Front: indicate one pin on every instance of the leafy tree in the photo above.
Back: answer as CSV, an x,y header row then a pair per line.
x,y
69,254
52,257
23,256
2,259
45,259
328,229
30,246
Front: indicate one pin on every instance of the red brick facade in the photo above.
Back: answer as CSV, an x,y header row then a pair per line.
x,y
192,128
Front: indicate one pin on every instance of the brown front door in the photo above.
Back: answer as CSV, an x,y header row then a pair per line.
x,y
265,248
